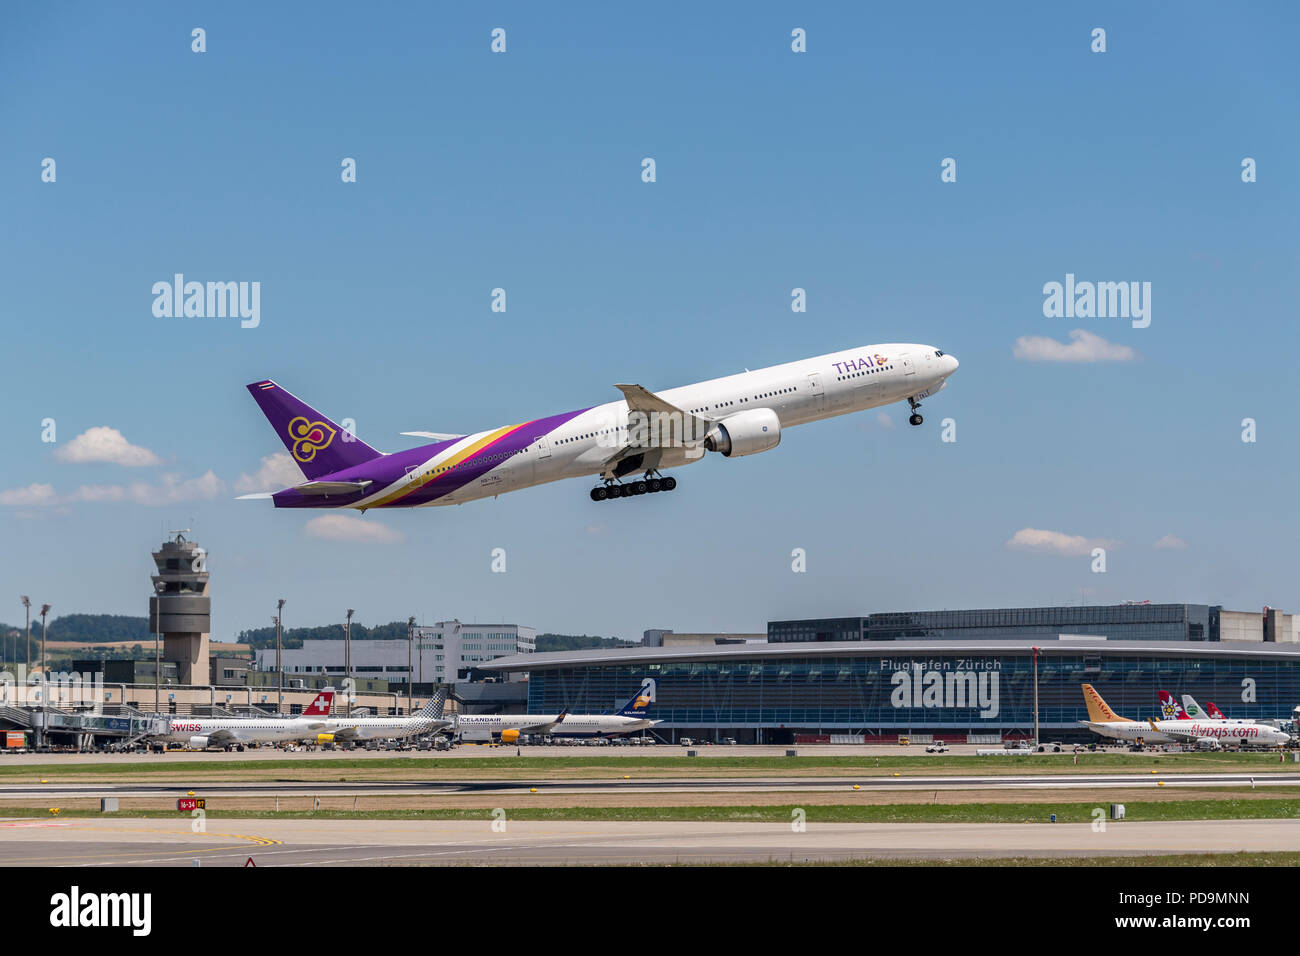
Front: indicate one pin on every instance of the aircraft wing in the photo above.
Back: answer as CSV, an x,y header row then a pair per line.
x,y
641,399
220,737
345,733
433,436
653,424
544,727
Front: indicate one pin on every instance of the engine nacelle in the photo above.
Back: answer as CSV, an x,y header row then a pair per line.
x,y
324,738
509,736
199,743
745,433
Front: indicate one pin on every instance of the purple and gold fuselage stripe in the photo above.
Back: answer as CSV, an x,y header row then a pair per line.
x,y
444,469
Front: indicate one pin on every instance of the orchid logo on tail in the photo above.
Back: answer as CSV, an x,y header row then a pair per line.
x,y
309,437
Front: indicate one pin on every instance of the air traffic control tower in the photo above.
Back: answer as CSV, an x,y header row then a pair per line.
x,y
180,607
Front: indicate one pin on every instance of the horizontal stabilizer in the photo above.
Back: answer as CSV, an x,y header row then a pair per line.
x,y
332,487
433,436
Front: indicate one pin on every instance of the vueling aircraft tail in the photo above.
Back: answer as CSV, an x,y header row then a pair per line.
x,y
318,446
639,705
435,704
1099,711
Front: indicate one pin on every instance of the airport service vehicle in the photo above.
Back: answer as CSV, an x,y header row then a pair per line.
x,y
938,747
632,438
427,719
507,728
200,733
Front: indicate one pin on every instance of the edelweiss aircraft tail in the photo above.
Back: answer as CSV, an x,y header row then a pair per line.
x,y
318,446
1099,711
639,705
1170,709
1214,711
321,706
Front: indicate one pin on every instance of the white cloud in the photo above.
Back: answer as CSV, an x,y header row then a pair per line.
x,y
1054,542
102,443
277,471
1083,347
31,495
336,527
171,490
1170,542
884,420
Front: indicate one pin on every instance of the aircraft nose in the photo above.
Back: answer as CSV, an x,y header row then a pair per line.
x,y
952,363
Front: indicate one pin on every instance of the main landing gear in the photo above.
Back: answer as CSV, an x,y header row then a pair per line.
x,y
916,418
648,485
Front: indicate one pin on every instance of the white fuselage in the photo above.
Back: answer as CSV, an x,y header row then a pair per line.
x,y
485,726
1224,731
1130,731
382,728
799,392
242,730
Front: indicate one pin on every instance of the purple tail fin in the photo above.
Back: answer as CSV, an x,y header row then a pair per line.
x,y
318,446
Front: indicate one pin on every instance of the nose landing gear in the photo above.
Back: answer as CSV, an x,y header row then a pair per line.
x,y
916,418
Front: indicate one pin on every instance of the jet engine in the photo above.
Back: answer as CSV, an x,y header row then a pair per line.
x,y
509,736
199,743
745,433
324,738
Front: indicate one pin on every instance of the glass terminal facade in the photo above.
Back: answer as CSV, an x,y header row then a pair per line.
x,y
1116,622
770,697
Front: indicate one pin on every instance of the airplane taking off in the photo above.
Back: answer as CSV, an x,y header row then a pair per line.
x,y
507,728
201,733
637,436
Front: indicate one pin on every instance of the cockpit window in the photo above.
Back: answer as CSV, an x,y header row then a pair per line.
x,y
938,353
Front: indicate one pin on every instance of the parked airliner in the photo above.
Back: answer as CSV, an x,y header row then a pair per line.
x,y
201,733
426,720
631,717
633,438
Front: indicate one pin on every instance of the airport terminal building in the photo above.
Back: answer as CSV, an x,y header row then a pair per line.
x,y
968,677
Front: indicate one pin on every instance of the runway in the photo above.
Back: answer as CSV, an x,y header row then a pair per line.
x,y
272,842
53,791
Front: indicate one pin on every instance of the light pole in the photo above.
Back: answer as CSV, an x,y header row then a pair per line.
x,y
279,667
27,606
1035,698
410,676
45,609
347,658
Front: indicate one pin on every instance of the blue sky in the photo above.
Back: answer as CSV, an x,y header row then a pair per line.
x,y
775,170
